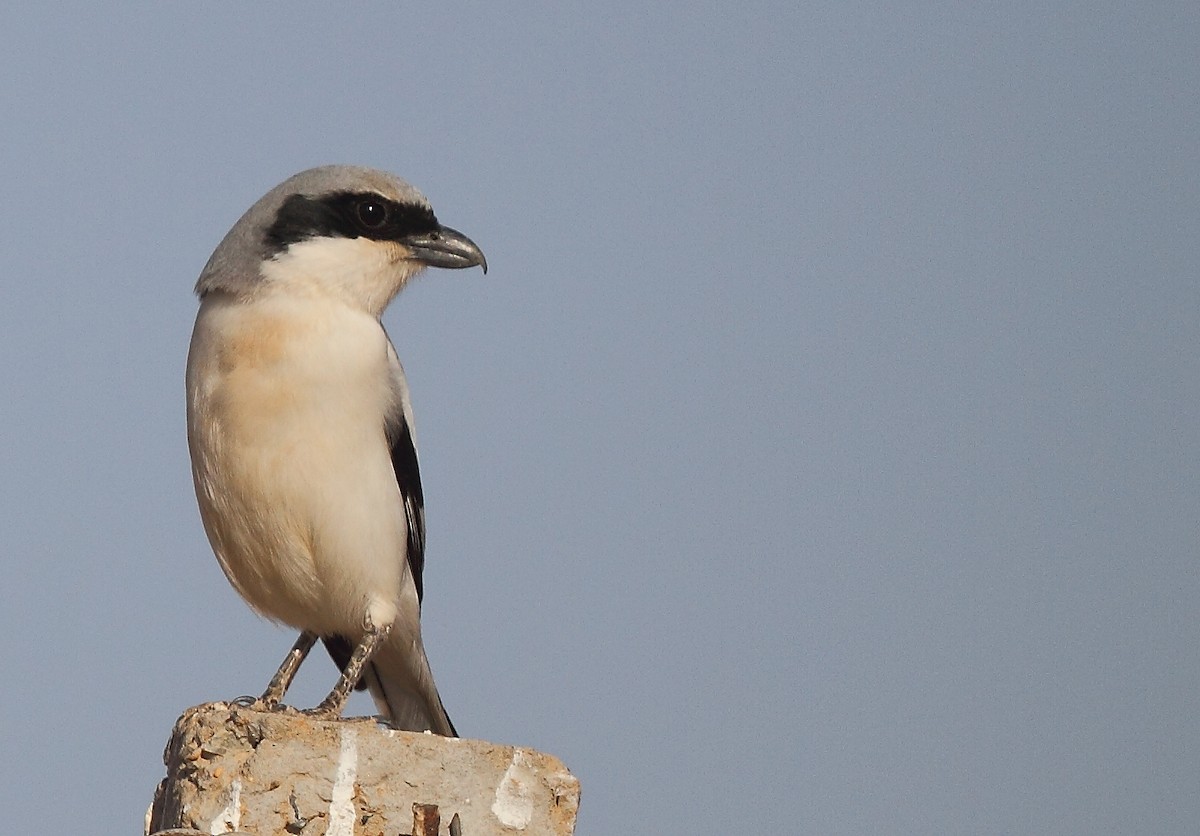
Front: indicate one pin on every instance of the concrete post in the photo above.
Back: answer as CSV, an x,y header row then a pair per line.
x,y
233,769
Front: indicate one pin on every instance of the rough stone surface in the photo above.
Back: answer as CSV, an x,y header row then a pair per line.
x,y
231,768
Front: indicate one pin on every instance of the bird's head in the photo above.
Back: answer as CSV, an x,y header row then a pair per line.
x,y
353,233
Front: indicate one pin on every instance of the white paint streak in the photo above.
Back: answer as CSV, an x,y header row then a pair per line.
x,y
341,801
230,818
514,797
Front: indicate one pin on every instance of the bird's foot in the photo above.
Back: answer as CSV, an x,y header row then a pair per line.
x,y
331,707
268,703
325,711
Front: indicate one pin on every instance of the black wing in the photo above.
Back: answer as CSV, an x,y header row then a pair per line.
x,y
408,478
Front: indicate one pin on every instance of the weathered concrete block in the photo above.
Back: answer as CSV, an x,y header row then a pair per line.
x,y
231,768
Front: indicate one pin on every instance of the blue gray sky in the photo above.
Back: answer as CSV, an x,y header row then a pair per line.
x,y
821,449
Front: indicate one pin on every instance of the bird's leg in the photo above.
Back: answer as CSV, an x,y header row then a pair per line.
x,y
333,704
283,677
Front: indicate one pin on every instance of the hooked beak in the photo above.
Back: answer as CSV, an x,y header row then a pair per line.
x,y
445,247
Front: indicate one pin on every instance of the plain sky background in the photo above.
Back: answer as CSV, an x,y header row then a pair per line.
x,y
821,453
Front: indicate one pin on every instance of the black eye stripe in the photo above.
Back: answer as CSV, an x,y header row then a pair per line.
x,y
346,215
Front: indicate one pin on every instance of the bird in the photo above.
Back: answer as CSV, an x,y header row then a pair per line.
x,y
300,428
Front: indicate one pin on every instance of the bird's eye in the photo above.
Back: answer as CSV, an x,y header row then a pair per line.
x,y
372,214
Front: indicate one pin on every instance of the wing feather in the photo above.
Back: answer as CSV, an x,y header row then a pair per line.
x,y
408,477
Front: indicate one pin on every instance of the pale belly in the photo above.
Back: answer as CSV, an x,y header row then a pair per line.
x,y
293,476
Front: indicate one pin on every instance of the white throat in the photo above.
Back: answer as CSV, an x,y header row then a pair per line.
x,y
360,272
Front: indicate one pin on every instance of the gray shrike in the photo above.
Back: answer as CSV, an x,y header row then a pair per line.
x,y
301,431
